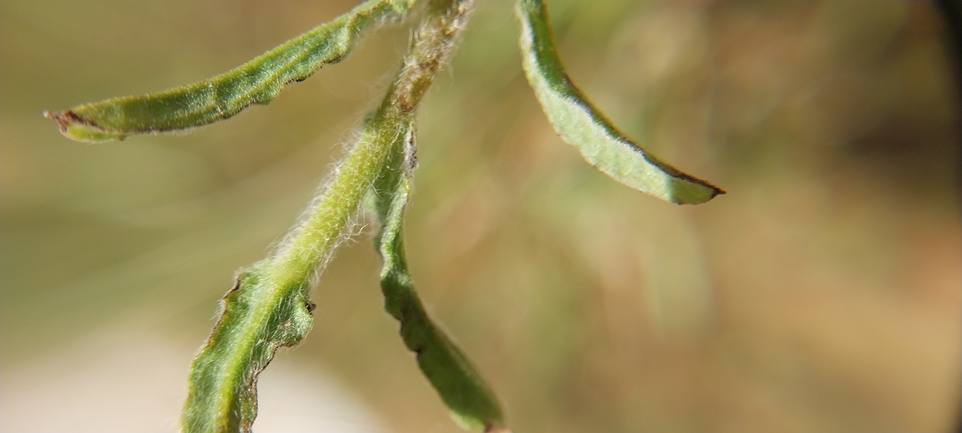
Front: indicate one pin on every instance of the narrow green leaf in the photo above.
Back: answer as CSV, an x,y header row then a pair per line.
x,y
458,382
255,82
257,319
586,128
471,401
269,305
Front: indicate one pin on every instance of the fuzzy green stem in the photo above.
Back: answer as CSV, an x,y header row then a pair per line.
x,y
269,307
434,42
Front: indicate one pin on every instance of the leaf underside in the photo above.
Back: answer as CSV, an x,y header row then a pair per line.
x,y
583,126
461,387
256,82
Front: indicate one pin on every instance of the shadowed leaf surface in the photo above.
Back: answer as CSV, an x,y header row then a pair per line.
x,y
464,391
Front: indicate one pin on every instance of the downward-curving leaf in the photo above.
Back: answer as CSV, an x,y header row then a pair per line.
x,y
583,126
463,390
255,82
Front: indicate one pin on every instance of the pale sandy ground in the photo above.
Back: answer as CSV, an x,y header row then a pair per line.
x,y
115,381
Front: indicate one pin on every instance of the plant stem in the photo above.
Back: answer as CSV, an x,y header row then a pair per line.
x,y
434,41
269,307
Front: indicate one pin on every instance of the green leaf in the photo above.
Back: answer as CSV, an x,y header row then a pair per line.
x,y
257,319
458,382
256,82
269,307
586,128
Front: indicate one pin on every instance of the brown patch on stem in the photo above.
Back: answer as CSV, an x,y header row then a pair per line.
x,y
65,118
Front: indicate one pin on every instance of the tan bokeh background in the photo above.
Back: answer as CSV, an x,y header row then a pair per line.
x,y
822,293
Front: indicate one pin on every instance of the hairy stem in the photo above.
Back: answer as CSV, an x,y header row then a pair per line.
x,y
269,306
434,41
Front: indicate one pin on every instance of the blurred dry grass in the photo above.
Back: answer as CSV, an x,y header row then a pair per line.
x,y
823,293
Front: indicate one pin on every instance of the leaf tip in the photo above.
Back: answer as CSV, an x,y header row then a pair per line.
x,y
78,128
61,117
689,190
714,191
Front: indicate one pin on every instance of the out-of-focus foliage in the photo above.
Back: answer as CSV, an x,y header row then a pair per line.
x,y
826,291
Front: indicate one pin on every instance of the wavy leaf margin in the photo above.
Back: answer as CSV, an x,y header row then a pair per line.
x,y
258,81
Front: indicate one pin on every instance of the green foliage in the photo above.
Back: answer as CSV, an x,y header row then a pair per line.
x,y
259,316
255,82
586,128
450,372
269,305
460,386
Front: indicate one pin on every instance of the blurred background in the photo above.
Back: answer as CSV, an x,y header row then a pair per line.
x,y
823,293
